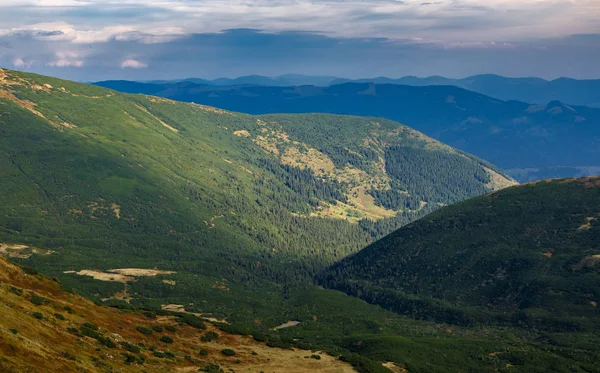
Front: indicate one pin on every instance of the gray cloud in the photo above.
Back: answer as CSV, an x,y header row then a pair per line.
x,y
91,40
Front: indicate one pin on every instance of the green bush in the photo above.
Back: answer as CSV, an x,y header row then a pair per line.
x,y
212,368
228,352
209,337
107,342
150,314
59,316
15,290
130,347
315,356
193,321
203,352
157,328
171,328
90,326
38,315
37,300
132,359
144,330
166,339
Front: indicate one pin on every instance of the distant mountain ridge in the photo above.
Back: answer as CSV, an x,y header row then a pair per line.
x,y
583,92
536,141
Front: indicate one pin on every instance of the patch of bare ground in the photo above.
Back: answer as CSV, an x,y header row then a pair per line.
x,y
161,100
98,208
588,225
29,106
140,272
394,368
212,109
157,119
498,181
241,133
588,262
21,251
211,223
45,344
103,276
123,275
288,324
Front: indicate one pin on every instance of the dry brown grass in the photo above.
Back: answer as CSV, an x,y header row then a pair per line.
x,y
45,345
498,181
242,133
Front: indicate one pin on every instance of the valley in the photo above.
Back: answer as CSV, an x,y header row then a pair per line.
x,y
244,224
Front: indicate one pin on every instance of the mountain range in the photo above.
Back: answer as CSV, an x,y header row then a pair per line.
x,y
532,90
532,141
282,228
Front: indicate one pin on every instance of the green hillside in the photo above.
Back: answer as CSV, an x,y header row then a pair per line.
x,y
525,256
147,204
104,179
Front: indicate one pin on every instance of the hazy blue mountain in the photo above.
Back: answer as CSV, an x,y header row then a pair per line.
x,y
278,81
510,134
531,89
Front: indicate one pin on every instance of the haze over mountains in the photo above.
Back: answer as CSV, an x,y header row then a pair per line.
x,y
533,141
530,89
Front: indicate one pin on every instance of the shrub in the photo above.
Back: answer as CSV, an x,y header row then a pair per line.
x,y
209,337
260,337
75,331
129,347
37,300
89,332
69,310
203,352
68,356
193,321
131,359
144,330
159,354
14,331
59,316
212,368
107,342
171,328
15,290
228,352
38,315
314,356
157,328
89,325
166,339
189,358
149,314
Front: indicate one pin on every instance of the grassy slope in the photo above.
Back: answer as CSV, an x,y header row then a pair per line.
x,y
62,186
526,255
107,180
45,343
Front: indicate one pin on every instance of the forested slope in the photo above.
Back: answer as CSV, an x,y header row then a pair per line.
x,y
526,256
101,180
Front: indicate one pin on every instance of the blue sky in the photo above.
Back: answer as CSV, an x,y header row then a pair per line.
x,y
166,39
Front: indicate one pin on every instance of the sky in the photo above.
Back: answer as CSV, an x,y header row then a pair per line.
x,y
90,40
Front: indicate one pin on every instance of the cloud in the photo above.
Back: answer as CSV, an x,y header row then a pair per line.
x,y
162,39
19,63
67,59
133,64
